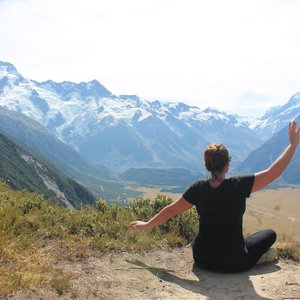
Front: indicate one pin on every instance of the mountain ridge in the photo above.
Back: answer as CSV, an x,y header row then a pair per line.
x,y
167,134
127,132
21,170
277,117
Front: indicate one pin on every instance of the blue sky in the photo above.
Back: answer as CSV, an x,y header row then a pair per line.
x,y
238,56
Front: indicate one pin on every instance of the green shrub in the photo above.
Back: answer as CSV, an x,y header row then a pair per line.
x,y
31,203
31,225
101,205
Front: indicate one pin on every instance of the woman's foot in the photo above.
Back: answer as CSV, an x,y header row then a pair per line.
x,y
269,256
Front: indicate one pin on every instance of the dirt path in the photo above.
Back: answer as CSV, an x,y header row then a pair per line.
x,y
170,274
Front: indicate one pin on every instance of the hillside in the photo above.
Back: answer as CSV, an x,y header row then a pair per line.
x,y
21,170
266,154
30,135
51,252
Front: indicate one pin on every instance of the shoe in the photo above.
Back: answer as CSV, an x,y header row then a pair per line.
x,y
269,256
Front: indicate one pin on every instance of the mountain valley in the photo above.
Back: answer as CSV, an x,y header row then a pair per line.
x,y
114,144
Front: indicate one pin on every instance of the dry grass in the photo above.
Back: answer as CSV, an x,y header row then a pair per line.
x,y
277,209
288,248
32,268
151,193
37,238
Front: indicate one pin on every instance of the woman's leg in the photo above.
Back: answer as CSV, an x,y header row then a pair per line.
x,y
258,243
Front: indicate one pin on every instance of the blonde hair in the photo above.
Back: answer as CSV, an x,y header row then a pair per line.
x,y
216,156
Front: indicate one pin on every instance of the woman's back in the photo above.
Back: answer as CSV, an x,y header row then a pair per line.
x,y
221,212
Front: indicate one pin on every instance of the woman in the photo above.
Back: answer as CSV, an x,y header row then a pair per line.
x,y
220,203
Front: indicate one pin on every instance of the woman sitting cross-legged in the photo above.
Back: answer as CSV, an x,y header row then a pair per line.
x,y
221,203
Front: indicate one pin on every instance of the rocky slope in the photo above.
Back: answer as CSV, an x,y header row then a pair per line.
x,y
21,170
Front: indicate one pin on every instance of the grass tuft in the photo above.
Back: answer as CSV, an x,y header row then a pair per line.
x,y
288,248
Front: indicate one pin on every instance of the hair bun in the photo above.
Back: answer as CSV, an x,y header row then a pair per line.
x,y
216,157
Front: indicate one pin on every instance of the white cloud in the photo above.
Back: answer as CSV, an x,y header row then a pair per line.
x,y
200,52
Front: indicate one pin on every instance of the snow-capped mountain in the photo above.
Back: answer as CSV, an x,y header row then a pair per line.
x,y
277,118
123,131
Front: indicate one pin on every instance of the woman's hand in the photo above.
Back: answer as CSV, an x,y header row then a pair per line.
x,y
294,133
138,225
168,212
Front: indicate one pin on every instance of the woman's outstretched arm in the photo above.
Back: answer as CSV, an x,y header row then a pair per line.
x,y
164,215
265,177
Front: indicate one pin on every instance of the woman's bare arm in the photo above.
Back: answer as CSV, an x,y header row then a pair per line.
x,y
265,177
164,215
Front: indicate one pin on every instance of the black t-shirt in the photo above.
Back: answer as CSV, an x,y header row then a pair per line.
x,y
221,212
